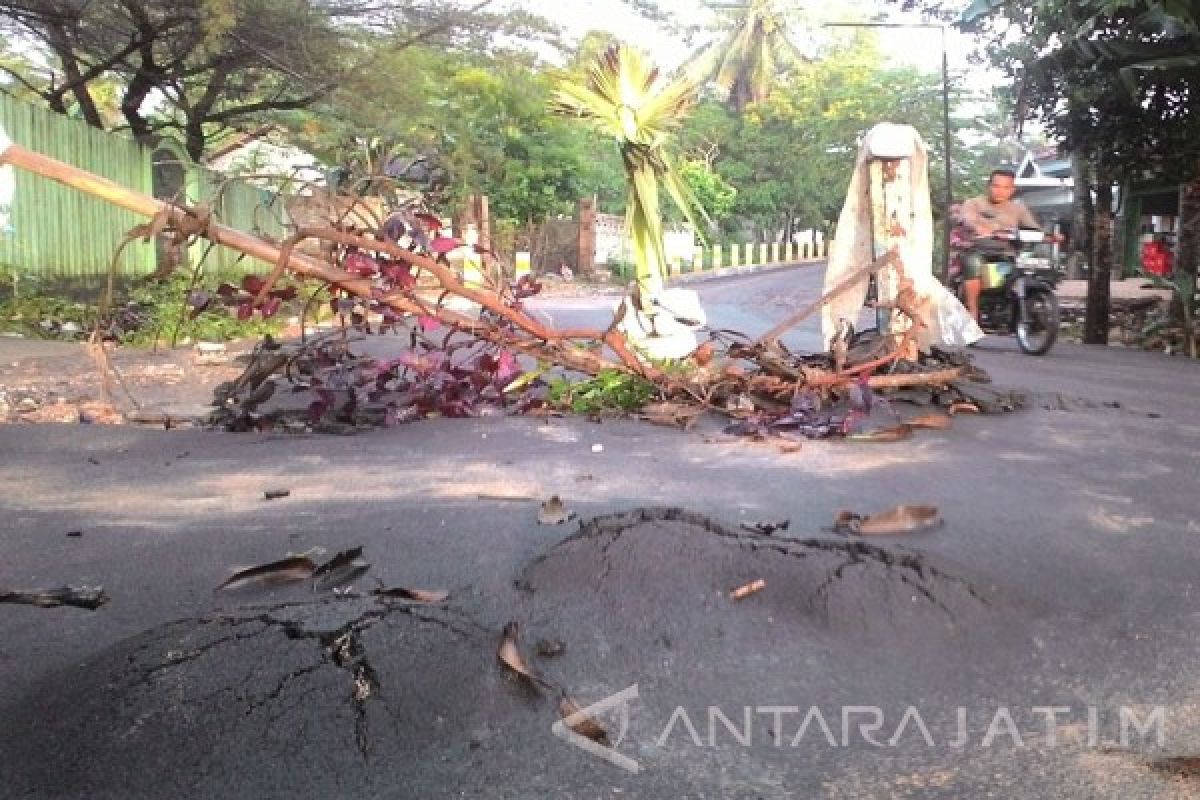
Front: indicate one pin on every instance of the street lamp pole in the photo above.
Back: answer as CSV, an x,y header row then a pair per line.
x,y
947,223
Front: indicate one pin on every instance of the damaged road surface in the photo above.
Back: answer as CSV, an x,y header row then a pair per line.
x,y
863,665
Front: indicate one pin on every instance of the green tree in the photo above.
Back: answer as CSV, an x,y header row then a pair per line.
x,y
202,67
1075,68
751,53
790,156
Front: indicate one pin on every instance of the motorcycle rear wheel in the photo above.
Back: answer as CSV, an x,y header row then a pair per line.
x,y
1038,329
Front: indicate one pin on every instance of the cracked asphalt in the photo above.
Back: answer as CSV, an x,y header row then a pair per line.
x,y
1064,578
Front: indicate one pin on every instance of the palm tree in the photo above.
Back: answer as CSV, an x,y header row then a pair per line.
x,y
625,97
745,61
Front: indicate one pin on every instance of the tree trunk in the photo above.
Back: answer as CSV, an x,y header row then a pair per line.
x,y
1095,324
1082,217
1183,305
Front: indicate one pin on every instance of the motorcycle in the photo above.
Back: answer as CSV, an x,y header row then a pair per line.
x,y
1017,296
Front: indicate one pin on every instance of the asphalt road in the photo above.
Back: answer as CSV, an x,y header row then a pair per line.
x,y
1062,586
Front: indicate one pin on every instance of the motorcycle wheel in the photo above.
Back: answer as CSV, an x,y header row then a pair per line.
x,y
1038,330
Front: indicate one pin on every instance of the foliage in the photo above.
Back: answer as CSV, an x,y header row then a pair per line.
x,y
213,64
609,390
166,312
44,315
438,373
1115,84
750,53
713,193
625,97
147,314
791,155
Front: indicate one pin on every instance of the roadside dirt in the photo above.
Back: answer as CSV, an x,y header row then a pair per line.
x,y
62,382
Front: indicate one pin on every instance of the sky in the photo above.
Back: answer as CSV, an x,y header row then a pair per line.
x,y
919,47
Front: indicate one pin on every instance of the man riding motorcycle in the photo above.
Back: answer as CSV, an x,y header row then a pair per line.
x,y
984,217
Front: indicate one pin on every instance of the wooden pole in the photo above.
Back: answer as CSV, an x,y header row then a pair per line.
x,y
585,361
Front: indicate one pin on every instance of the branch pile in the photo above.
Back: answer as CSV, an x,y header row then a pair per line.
x,y
476,350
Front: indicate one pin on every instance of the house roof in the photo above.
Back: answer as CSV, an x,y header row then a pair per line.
x,y
1044,168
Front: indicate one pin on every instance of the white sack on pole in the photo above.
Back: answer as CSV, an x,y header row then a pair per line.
x,y
948,323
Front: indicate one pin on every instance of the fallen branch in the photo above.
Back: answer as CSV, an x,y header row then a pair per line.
x,y
759,377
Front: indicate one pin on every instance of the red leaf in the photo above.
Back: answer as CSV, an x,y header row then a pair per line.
x,y
252,284
431,222
400,275
444,244
245,310
286,293
270,307
316,410
227,290
360,264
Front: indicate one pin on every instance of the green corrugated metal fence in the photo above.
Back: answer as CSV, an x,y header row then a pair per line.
x,y
245,207
60,232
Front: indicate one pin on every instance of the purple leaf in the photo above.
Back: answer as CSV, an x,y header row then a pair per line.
x,y
252,284
359,263
507,368
245,310
444,244
394,228
428,323
270,307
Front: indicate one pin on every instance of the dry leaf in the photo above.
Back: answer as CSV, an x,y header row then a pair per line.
x,y
416,595
275,494
510,656
901,519
580,722
930,421
753,587
896,433
671,414
550,648
704,354
287,570
82,597
345,567
846,522
766,528
963,408
788,448
553,512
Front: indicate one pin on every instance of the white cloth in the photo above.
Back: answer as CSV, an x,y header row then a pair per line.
x,y
677,314
949,324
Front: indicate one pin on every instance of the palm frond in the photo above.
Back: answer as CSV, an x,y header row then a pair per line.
x,y
628,99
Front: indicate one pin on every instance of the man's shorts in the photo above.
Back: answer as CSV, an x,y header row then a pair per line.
x,y
972,265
